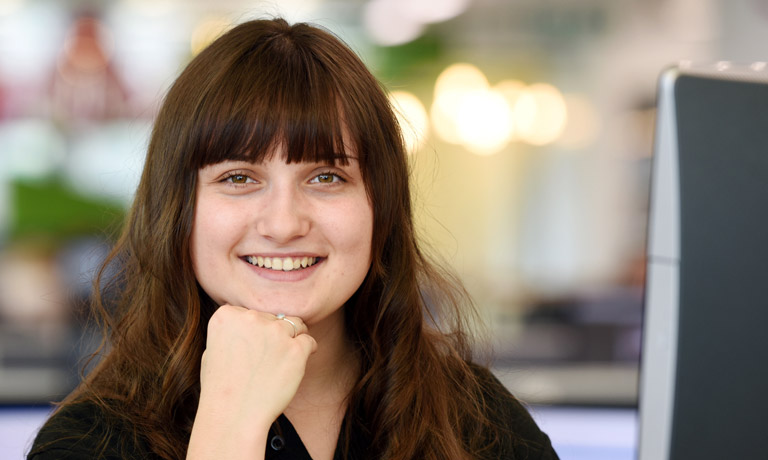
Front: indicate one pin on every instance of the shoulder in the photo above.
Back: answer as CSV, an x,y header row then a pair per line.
x,y
84,430
501,403
518,436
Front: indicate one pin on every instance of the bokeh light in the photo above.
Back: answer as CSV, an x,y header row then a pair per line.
x,y
540,114
458,78
387,26
484,121
511,90
453,85
412,118
467,111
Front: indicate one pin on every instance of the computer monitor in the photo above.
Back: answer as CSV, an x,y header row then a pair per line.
x,y
704,367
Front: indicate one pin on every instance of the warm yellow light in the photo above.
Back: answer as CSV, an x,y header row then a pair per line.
x,y
526,113
468,112
412,118
206,31
511,90
455,84
540,114
443,123
459,77
484,121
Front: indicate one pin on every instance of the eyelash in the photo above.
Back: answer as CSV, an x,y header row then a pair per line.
x,y
329,173
228,178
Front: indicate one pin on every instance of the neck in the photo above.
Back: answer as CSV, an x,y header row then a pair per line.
x,y
331,370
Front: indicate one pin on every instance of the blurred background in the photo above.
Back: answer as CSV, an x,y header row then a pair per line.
x,y
529,124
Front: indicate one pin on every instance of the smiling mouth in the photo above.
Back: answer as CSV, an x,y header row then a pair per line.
x,y
284,264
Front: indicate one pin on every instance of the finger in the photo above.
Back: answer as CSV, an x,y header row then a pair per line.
x,y
224,311
308,343
292,322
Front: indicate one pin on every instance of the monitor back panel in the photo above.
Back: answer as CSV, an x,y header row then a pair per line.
x,y
719,372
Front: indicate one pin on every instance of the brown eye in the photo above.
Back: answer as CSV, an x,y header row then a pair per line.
x,y
238,179
327,178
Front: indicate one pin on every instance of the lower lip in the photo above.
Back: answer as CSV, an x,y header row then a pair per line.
x,y
283,276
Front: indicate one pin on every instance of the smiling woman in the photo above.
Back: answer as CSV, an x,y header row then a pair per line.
x,y
282,214
270,298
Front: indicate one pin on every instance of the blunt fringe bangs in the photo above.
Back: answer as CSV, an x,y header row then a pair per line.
x,y
273,88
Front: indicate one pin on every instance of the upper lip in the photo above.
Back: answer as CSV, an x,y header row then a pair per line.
x,y
282,256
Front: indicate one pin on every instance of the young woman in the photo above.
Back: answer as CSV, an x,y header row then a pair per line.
x,y
271,300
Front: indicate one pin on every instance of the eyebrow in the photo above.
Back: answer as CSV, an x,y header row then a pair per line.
x,y
333,161
339,158
343,157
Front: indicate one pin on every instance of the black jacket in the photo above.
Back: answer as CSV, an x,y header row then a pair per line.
x,y
76,431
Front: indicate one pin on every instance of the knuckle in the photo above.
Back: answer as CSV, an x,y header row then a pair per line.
x,y
221,315
216,319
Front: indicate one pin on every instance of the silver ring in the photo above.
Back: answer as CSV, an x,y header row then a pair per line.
x,y
282,317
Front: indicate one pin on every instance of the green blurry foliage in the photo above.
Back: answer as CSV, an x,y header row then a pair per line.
x,y
50,213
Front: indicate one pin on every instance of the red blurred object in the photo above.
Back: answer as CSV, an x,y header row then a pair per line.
x,y
85,86
3,109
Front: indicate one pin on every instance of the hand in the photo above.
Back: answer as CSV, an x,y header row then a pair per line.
x,y
250,372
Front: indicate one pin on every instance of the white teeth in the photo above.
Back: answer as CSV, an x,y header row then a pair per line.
x,y
283,264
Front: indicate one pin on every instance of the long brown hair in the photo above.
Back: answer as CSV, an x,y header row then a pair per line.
x,y
265,82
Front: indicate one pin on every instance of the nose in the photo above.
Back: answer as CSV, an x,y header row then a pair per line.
x,y
284,215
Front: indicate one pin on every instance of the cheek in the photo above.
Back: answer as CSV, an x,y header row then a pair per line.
x,y
198,246
358,232
208,237
349,231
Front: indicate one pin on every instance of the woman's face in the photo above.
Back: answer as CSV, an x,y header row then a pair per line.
x,y
282,238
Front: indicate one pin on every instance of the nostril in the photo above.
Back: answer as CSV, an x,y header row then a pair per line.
x,y
283,226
